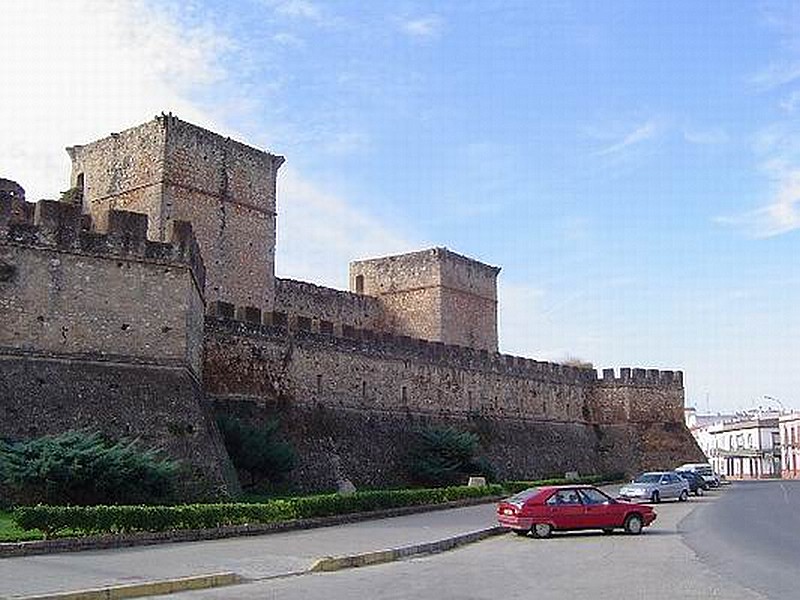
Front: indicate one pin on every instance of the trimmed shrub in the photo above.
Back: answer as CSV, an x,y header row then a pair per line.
x,y
258,451
446,456
513,487
93,520
83,467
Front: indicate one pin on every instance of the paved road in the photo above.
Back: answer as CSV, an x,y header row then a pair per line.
x,y
752,536
742,543
252,557
652,566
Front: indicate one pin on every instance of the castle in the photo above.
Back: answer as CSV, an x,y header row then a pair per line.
x,y
145,302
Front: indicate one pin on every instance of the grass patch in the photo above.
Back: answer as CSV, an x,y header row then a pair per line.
x,y
11,532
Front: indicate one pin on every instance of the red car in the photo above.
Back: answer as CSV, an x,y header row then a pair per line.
x,y
559,508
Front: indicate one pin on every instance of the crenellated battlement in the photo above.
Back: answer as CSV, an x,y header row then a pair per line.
x,y
49,224
250,321
642,377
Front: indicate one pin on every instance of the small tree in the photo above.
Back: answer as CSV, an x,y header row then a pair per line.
x,y
84,467
446,456
259,451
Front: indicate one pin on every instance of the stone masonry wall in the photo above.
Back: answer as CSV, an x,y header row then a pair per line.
x,y
72,291
433,294
226,189
322,304
171,170
105,331
124,171
361,400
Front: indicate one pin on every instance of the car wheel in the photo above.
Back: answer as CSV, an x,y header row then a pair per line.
x,y
521,532
541,530
684,496
656,497
698,492
634,524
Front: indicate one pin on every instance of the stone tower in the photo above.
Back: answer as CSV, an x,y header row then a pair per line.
x,y
172,170
435,294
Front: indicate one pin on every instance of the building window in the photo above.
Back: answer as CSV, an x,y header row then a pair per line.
x,y
319,383
359,284
404,394
363,389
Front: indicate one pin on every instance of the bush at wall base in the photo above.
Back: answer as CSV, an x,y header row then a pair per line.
x,y
84,467
94,520
442,456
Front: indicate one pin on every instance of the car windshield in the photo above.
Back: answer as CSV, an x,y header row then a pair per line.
x,y
523,496
648,478
704,470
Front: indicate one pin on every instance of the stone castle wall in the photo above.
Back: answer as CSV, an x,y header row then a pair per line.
x,y
171,170
112,319
434,294
326,309
105,331
363,398
124,171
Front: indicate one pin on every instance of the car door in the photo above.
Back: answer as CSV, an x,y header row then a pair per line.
x,y
665,487
565,509
599,510
675,485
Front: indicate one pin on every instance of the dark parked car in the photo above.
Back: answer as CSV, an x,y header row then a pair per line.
x,y
697,485
544,510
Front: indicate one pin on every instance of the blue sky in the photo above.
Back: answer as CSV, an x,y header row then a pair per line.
x,y
634,167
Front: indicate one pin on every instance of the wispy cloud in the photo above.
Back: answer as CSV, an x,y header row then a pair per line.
x,y
320,233
706,137
427,26
776,75
781,213
288,39
791,102
299,9
129,63
639,134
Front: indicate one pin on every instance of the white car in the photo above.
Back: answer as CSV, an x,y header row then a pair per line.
x,y
655,487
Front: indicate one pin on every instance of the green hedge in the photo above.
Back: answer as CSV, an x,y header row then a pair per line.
x,y
513,487
93,520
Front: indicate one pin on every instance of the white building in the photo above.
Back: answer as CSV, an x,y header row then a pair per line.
x,y
744,446
790,445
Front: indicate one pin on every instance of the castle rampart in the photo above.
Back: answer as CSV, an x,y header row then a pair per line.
x,y
135,322
326,309
104,330
434,294
171,170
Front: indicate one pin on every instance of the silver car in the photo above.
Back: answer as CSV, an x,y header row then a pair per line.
x,y
655,487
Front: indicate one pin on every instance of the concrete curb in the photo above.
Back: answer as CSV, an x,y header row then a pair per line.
x,y
323,565
53,546
336,563
147,588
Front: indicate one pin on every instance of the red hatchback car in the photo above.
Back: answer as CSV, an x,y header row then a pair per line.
x,y
559,508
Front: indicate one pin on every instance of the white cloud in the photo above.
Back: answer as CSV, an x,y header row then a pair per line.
x,y
781,213
125,64
301,9
319,233
705,137
641,133
422,27
128,62
791,102
776,75
288,39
